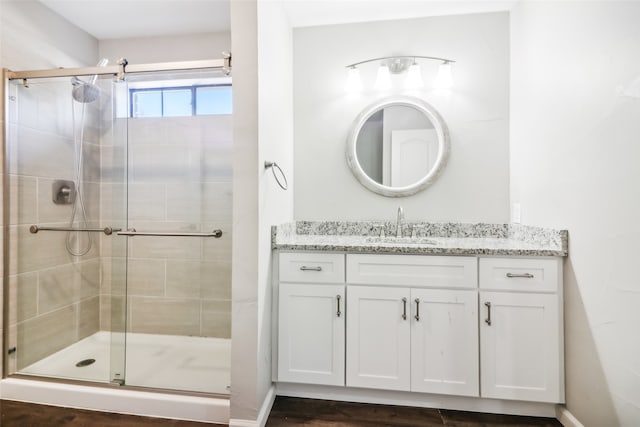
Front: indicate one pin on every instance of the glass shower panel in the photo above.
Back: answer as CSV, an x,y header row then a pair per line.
x,y
65,169
179,288
113,302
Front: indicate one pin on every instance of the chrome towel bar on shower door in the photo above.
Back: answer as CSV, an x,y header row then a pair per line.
x,y
132,232
106,230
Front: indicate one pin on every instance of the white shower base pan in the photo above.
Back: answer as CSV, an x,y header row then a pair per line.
x,y
157,361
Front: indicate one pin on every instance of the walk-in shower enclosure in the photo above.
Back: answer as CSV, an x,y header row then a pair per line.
x,y
117,216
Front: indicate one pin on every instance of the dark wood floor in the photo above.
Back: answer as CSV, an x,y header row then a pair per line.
x,y
287,411
290,411
18,414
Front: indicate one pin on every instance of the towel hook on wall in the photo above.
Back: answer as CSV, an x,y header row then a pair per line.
x,y
274,166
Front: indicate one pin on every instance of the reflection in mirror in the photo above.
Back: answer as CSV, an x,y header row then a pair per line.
x,y
398,146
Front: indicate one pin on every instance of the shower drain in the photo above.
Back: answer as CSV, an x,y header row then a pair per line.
x,y
85,362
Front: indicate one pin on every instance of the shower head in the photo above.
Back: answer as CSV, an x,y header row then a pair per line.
x,y
85,92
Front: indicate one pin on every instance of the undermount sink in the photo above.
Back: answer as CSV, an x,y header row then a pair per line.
x,y
401,240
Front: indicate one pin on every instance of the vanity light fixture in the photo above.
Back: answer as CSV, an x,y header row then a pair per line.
x,y
354,84
383,79
397,65
414,77
444,79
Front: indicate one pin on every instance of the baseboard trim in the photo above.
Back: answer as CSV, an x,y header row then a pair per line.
x,y
566,418
267,404
117,399
235,422
263,414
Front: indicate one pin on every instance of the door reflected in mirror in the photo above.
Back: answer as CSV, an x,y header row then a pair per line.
x,y
398,146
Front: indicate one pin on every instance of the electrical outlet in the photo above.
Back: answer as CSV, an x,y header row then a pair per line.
x,y
515,213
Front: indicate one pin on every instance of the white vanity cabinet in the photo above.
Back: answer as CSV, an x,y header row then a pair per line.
x,y
311,318
379,347
473,326
412,323
521,340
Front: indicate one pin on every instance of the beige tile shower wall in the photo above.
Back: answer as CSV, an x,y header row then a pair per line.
x,y
179,179
54,297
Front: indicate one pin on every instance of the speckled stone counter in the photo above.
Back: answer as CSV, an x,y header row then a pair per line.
x,y
420,238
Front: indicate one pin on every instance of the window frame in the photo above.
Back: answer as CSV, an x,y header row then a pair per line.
x,y
193,88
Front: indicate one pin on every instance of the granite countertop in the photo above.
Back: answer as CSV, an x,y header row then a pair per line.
x,y
426,238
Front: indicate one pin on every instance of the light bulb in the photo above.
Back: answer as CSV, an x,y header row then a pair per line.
x,y
444,80
354,84
414,77
383,80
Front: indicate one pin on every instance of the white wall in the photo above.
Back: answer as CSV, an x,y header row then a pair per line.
x,y
275,127
263,130
474,185
574,156
244,292
34,37
143,50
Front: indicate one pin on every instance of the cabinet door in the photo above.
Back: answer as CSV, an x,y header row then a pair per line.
x,y
444,341
378,331
520,346
311,334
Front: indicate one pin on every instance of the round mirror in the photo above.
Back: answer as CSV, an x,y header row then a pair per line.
x,y
398,146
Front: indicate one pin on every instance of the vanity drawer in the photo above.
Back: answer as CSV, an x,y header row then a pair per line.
x,y
520,274
302,267
413,270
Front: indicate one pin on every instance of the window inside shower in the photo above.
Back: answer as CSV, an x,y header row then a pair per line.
x,y
139,310
180,100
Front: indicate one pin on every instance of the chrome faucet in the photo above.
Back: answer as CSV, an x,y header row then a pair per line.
x,y
399,221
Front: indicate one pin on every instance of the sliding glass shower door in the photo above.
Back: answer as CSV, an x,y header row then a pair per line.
x,y
179,264
66,278
119,199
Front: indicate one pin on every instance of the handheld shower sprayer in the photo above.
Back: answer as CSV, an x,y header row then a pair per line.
x,y
79,244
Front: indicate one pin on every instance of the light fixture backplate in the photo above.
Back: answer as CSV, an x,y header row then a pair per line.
x,y
398,65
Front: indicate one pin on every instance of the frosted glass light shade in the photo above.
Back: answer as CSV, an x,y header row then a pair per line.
x,y
444,79
414,77
383,80
354,84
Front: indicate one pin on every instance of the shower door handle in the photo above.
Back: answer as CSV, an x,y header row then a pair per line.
x,y
132,232
106,230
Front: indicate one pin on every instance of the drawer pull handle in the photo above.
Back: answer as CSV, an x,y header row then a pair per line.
x,y
338,313
305,268
404,309
417,316
523,275
488,319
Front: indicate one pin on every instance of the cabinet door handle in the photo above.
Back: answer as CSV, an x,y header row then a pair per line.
x,y
404,309
305,268
417,316
488,319
338,313
523,275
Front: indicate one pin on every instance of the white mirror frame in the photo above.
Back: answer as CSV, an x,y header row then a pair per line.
x,y
444,146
